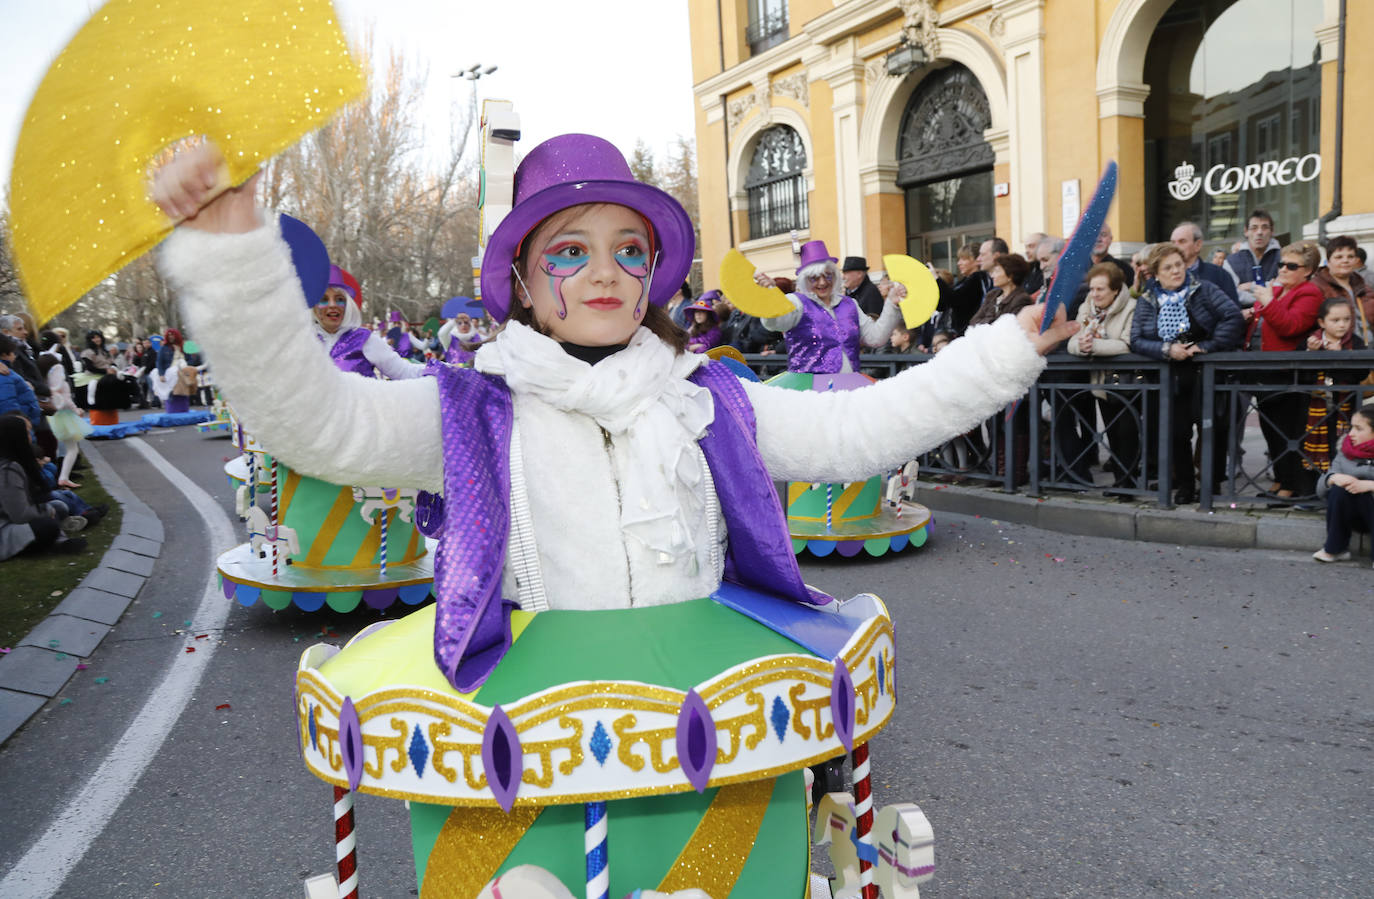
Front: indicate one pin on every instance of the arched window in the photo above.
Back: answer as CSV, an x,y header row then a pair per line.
x,y
775,184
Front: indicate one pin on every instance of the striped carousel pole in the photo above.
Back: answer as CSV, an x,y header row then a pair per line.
x,y
345,843
274,518
598,862
386,515
829,502
252,478
863,814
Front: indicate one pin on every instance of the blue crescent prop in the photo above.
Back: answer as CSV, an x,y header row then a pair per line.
x,y
308,256
1077,257
454,306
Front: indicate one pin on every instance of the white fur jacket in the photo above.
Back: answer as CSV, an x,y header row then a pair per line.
x,y
242,301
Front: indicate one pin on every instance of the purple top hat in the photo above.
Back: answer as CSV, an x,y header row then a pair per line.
x,y
709,296
336,279
814,251
570,170
702,305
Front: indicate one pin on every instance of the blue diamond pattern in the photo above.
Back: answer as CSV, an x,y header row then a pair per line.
x,y
780,717
882,672
314,732
600,744
419,752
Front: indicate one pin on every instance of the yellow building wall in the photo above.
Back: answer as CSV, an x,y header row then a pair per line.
x,y
823,209
704,30
712,196
1071,136
1357,189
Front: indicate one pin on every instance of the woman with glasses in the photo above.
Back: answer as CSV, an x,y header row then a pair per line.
x,y
339,326
1286,312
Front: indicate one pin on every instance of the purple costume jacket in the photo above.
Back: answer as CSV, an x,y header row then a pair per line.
x,y
347,353
472,519
820,341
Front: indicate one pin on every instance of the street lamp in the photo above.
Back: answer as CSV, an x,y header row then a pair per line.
x,y
907,58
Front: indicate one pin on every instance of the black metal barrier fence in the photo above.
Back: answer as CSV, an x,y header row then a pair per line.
x,y
1117,424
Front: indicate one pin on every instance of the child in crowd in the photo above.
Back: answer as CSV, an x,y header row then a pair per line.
x,y
1349,488
704,333
28,521
940,341
1328,412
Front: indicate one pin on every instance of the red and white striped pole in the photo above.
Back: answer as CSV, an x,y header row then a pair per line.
x,y
345,844
863,814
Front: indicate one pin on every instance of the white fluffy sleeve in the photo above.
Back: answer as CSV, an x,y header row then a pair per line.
x,y
241,299
848,435
388,361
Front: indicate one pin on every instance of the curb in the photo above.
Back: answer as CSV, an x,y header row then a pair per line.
x,y
1083,516
44,661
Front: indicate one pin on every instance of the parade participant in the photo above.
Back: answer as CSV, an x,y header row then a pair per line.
x,y
339,326
704,332
460,338
824,330
67,422
578,477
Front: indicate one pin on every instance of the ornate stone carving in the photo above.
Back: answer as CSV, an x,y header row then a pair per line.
x,y
875,70
919,26
990,23
738,108
797,86
942,129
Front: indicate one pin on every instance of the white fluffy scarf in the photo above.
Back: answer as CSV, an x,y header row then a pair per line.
x,y
641,393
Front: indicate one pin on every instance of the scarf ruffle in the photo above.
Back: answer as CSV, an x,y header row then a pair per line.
x,y
640,394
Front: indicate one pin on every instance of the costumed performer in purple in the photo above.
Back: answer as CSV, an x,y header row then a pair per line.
x,y
339,326
589,467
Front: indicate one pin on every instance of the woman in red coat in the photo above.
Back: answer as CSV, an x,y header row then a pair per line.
x,y
1286,312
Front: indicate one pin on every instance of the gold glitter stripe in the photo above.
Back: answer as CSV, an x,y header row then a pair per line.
x,y
471,847
333,523
795,491
413,547
714,857
288,492
369,551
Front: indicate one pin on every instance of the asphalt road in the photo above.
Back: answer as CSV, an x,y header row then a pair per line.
x,y
1077,717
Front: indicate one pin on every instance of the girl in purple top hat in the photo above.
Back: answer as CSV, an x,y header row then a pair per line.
x,y
355,349
704,334
672,456
826,328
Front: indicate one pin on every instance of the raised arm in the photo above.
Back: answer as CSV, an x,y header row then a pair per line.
x,y
241,298
848,435
388,361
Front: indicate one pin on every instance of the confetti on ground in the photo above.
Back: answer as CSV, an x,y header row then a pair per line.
x,y
82,667
190,649
102,680
54,643
222,706
4,649
55,593
65,702
61,657
186,623
201,636
157,614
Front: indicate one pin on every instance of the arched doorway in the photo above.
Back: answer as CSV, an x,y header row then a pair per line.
x,y
1232,121
945,166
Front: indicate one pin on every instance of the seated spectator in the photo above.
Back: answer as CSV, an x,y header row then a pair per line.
x,y
1008,272
1285,314
1328,411
1176,319
15,392
28,522
1341,278
1348,489
1106,318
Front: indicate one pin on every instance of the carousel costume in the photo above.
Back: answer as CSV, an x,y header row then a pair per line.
x,y
823,343
622,656
313,543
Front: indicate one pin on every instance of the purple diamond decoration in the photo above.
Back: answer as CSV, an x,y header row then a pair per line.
x,y
419,751
600,744
502,758
696,740
429,513
351,743
779,716
842,704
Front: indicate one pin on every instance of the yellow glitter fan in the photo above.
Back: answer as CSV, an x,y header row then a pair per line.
x,y
922,292
737,280
252,75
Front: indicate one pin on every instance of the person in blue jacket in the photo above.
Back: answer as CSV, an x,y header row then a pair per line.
x,y
15,392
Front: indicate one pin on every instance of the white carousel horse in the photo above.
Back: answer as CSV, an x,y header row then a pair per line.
x,y
262,534
902,838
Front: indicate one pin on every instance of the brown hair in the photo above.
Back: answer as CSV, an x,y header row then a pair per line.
x,y
1015,266
1306,251
655,318
1111,271
1158,254
1341,242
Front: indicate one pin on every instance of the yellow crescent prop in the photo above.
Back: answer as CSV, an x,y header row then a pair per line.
x,y
737,280
252,75
922,293
725,352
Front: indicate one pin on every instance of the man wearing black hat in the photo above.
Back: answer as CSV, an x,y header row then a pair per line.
x,y
858,286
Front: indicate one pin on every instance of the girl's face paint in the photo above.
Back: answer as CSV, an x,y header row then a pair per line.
x,y
596,273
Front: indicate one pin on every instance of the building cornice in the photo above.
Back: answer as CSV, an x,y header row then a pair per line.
x,y
1125,100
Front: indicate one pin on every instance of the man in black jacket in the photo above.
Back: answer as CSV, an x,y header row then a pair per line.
x,y
858,286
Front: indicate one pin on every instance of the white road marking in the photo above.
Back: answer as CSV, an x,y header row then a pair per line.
x,y
46,865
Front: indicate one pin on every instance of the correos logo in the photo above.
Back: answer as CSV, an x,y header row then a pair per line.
x,y
1221,179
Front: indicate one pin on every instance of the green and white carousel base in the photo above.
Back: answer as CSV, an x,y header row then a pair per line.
x,y
876,535
246,577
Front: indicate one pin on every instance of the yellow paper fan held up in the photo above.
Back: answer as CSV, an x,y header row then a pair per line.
x,y
252,75
922,293
737,280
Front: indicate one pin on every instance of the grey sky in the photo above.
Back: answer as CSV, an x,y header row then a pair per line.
x,y
616,69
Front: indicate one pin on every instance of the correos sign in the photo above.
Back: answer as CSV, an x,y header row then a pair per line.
x,y
1222,179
